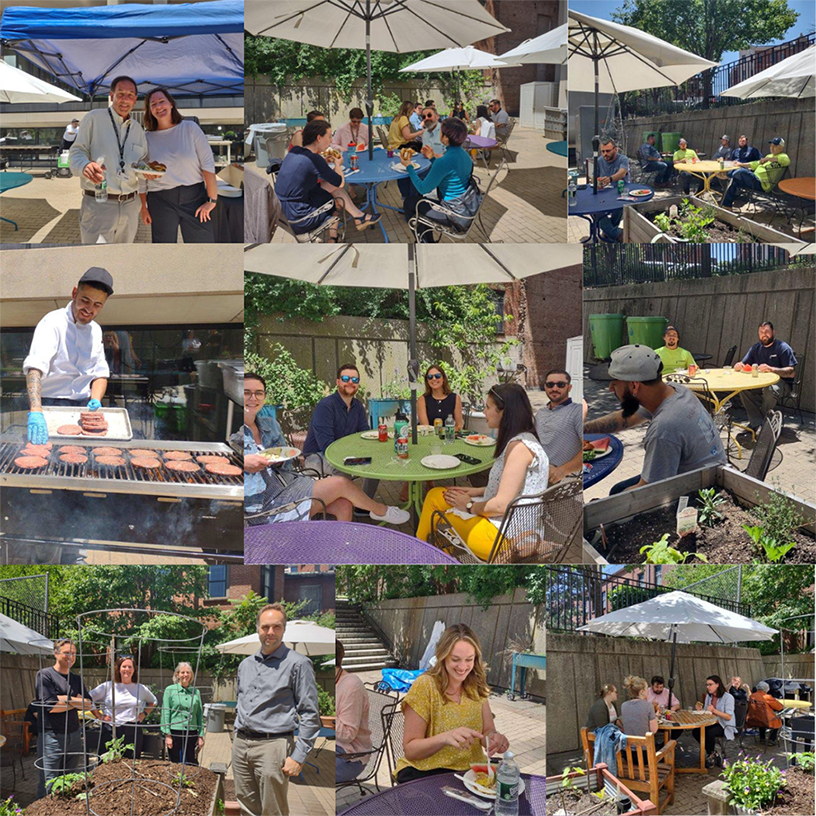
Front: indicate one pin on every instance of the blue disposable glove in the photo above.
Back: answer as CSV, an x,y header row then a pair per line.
x,y
94,405
37,428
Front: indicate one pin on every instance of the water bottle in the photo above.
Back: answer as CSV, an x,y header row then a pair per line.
x,y
400,422
572,191
450,429
101,189
507,786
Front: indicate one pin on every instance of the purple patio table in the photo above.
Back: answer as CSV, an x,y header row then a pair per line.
x,y
481,142
424,797
336,542
601,468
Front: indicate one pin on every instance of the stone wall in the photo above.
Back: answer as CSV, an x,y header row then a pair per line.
x,y
760,121
713,314
509,621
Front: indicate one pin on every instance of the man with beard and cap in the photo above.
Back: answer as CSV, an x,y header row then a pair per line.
x,y
673,357
560,426
681,435
66,361
277,695
770,356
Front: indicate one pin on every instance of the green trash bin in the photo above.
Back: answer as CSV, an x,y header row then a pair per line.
x,y
646,331
669,142
606,330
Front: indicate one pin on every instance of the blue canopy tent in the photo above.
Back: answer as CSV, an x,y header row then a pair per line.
x,y
192,49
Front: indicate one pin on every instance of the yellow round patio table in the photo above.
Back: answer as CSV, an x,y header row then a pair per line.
x,y
704,170
803,704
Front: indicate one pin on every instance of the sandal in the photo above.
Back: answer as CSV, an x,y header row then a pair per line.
x,y
367,220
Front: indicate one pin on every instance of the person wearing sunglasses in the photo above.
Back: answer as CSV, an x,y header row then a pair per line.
x,y
438,401
560,426
432,146
521,468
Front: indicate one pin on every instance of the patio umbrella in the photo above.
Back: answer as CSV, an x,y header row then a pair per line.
x,y
18,87
795,76
409,266
400,26
19,639
548,48
607,57
458,59
679,617
305,637
798,249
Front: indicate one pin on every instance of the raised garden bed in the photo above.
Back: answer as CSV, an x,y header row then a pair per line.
x,y
156,792
794,799
573,791
640,517
728,227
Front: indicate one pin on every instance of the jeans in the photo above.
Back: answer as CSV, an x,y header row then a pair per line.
x,y
758,401
608,224
687,178
664,170
345,770
740,178
625,485
62,753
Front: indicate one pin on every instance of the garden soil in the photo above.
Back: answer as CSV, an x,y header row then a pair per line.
x,y
718,233
796,798
151,799
579,802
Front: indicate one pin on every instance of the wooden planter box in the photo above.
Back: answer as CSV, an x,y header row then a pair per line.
x,y
637,229
594,781
747,490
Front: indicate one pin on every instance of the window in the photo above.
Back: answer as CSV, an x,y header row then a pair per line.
x,y
218,581
312,594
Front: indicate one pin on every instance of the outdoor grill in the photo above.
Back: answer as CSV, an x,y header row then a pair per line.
x,y
97,506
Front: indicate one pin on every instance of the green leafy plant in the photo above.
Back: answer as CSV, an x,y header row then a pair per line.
x,y
116,750
710,502
752,785
63,786
325,703
287,383
779,516
180,778
220,807
660,552
10,808
663,221
774,551
806,760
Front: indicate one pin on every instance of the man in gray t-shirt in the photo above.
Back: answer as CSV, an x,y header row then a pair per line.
x,y
681,436
500,118
559,425
613,167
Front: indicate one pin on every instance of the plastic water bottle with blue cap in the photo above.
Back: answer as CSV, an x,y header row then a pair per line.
x,y
507,786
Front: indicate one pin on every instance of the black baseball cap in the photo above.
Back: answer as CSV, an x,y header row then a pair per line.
x,y
99,278
778,140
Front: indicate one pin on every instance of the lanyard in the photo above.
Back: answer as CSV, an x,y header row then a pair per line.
x,y
120,145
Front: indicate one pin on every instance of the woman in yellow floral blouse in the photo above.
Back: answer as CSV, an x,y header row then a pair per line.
x,y
447,712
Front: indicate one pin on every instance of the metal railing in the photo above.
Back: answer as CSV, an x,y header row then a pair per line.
x,y
704,90
43,622
576,595
620,264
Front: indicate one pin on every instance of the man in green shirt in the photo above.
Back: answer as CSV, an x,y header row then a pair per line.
x,y
758,175
673,357
686,156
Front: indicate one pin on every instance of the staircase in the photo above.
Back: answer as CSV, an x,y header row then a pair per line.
x,y
364,649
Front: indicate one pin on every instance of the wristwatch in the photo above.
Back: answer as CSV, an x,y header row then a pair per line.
x,y
469,505
212,200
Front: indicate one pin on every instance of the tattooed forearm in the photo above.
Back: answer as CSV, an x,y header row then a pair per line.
x,y
606,424
34,387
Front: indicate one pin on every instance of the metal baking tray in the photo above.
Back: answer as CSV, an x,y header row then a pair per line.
x,y
118,422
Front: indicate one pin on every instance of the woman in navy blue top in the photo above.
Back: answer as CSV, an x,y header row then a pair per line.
x,y
438,401
306,182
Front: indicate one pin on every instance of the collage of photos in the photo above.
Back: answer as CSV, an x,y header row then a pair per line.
x,y
574,431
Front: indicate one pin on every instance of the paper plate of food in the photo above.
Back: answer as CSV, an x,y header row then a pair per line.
x,y
641,193
425,430
277,456
153,168
375,435
478,781
597,449
332,154
480,440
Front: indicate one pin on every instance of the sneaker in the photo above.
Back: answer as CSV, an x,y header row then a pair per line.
x,y
393,515
709,761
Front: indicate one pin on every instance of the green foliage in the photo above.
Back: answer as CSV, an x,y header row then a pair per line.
x,y
773,549
690,222
806,760
661,553
710,503
753,785
9,808
287,383
63,786
663,221
778,516
180,778
116,750
325,703
622,596
566,782
220,807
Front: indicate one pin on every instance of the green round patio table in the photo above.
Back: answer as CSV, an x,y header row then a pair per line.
x,y
386,467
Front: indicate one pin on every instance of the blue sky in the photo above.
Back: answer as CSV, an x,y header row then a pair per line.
x,y
805,23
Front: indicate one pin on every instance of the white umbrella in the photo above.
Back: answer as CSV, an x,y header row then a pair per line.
x,y
607,57
400,26
18,87
411,267
19,639
548,48
301,636
679,617
798,249
795,76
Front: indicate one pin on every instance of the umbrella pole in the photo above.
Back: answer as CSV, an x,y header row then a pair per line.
x,y
597,136
413,363
369,100
671,666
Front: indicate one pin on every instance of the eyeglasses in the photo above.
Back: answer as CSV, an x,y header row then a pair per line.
x,y
256,394
433,377
345,378
559,384
429,116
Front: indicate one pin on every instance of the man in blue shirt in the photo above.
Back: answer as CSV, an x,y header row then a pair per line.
x,y
432,133
416,118
612,167
744,153
769,355
651,161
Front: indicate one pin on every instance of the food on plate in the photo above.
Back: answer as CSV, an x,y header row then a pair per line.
x,y
407,153
150,167
223,469
182,466
589,454
73,458
332,154
95,431
177,455
92,424
30,462
146,463
69,430
485,781
110,461
106,451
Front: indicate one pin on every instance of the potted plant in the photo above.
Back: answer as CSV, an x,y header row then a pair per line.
x,y
752,785
326,708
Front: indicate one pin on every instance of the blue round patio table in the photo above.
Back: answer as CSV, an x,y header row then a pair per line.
x,y
374,172
591,207
559,148
602,467
336,542
423,797
10,181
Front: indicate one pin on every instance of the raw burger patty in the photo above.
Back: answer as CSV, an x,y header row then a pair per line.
x,y
73,458
110,461
95,432
36,450
69,430
146,463
184,467
106,452
179,455
72,449
211,459
142,453
223,469
30,462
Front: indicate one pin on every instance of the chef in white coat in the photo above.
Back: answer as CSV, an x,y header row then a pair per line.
x,y
66,362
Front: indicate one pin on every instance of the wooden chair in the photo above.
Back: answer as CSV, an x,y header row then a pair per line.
x,y
640,766
15,730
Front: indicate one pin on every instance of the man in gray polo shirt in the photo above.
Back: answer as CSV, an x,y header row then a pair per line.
x,y
560,426
276,694
681,435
